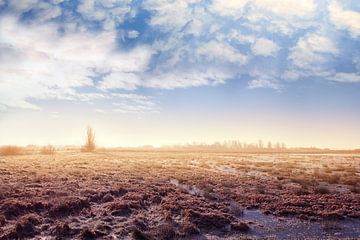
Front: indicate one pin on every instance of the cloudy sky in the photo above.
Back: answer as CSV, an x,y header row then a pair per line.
x,y
176,71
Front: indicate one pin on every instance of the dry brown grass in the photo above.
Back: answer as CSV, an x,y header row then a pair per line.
x,y
352,181
11,150
333,179
355,189
48,150
322,190
79,189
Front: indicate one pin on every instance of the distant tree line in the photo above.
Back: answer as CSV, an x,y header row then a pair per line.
x,y
236,145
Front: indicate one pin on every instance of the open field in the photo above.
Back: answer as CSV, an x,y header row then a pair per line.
x,y
179,195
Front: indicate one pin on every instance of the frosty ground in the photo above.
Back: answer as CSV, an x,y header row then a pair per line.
x,y
157,194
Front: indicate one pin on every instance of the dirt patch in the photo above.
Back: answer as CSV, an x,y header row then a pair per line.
x,y
25,227
68,206
206,220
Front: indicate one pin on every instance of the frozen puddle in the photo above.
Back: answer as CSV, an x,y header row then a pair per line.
x,y
226,169
193,190
268,226
264,226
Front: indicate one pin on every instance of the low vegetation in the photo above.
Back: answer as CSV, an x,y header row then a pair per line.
x,y
176,195
11,150
48,150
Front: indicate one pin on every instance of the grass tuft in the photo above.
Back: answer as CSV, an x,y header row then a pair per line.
x,y
322,190
48,150
11,151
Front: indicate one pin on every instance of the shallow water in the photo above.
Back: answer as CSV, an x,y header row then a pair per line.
x,y
268,226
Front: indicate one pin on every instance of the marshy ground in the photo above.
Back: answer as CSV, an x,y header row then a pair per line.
x,y
117,194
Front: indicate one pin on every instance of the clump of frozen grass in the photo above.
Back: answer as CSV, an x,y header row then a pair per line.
x,y
322,190
193,190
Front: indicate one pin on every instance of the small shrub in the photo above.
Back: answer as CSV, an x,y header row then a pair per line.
x,y
301,191
164,231
62,230
236,209
355,189
47,150
14,208
11,151
329,226
188,229
240,226
322,190
69,206
301,181
317,173
138,234
351,181
2,220
207,220
25,227
280,178
90,234
333,179
261,189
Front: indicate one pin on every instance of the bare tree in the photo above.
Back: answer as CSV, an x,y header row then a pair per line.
x,y
90,140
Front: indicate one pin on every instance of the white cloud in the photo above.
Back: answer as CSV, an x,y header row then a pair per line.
x,y
201,44
345,19
120,80
220,51
311,56
242,38
47,11
264,76
196,27
109,13
42,11
265,47
285,17
134,103
167,14
263,83
52,65
345,77
290,75
309,51
56,65
87,10
233,8
56,1
288,8
22,5
132,34
188,78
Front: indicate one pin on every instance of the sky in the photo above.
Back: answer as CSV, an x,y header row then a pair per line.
x,y
174,71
